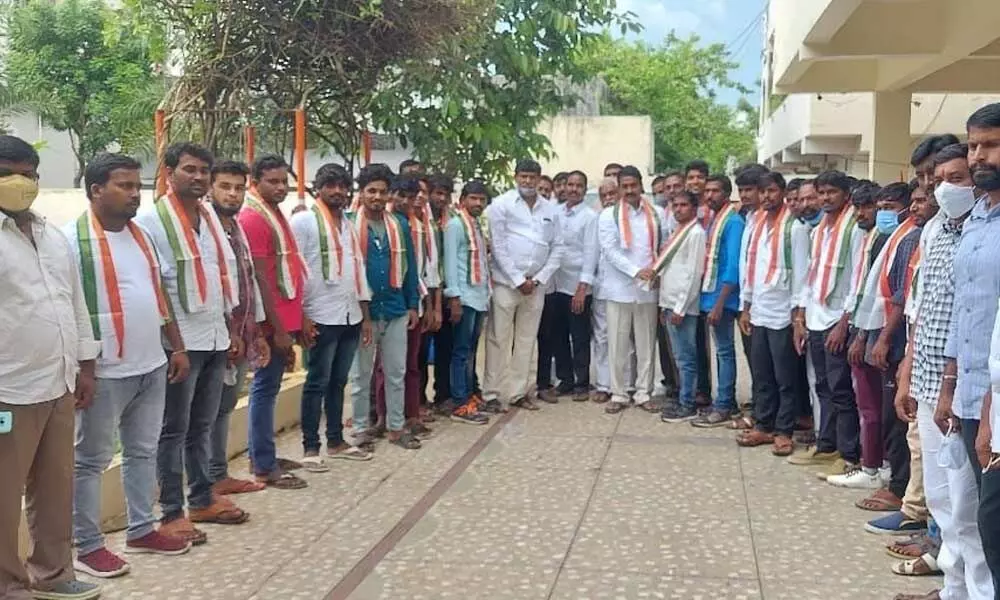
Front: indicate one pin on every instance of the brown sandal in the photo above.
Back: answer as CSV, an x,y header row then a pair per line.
x,y
783,446
219,513
754,438
881,500
231,485
741,423
525,403
183,529
283,481
650,407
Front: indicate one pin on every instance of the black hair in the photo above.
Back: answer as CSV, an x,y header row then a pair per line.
x,y
807,181
895,192
657,180
99,169
442,182
545,178
794,184
913,185
697,165
409,162
864,193
687,195
612,166
723,180
526,165
406,184
987,117
580,173
674,173
749,175
629,171
172,157
950,153
266,163
16,150
230,167
560,176
332,173
374,172
475,186
766,179
834,178
930,146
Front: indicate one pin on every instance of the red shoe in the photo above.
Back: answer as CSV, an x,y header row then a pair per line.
x,y
157,543
102,563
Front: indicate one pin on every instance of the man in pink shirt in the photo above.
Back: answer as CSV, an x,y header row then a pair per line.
x,y
281,276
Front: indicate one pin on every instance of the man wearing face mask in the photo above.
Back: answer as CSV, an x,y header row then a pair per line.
x,y
951,492
48,372
527,250
808,205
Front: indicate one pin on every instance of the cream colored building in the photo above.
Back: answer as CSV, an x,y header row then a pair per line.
x,y
855,84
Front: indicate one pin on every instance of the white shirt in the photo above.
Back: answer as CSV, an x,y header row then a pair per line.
x,y
821,315
579,234
771,305
620,283
325,302
202,331
142,349
44,322
525,241
680,281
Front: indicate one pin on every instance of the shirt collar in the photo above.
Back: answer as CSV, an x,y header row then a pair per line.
x,y
35,217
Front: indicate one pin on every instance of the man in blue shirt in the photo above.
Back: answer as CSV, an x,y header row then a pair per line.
x,y
720,295
392,277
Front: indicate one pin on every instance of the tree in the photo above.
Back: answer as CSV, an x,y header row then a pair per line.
x,y
84,69
676,83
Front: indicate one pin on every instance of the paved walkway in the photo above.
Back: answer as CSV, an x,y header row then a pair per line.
x,y
565,503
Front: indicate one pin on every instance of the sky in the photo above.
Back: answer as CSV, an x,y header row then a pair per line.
x,y
724,21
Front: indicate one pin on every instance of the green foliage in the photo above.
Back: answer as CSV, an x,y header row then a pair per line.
x,y
87,70
676,83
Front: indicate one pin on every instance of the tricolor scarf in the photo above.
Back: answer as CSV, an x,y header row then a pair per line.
x,y
871,309
673,244
331,250
625,226
288,262
864,266
827,269
192,285
473,235
104,302
781,257
718,227
397,247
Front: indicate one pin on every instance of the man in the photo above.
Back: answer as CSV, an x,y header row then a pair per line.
x,y
527,250
128,310
682,264
777,265
718,189
410,166
807,204
922,158
880,342
468,291
335,299
389,261
200,275
281,274
570,325
809,212
49,370
228,190
951,492
696,176
720,295
659,193
673,184
792,194
424,227
442,188
823,322
611,170
630,235
559,186
545,186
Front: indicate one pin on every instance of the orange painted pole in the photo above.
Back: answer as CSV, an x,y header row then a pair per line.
x,y
300,153
250,133
366,147
160,132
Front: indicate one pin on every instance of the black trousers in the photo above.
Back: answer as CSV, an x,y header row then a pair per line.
x,y
775,380
668,366
989,521
897,450
547,336
570,342
442,358
840,428
704,360
805,408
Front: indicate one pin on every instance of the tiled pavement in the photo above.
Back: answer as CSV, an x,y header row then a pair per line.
x,y
565,503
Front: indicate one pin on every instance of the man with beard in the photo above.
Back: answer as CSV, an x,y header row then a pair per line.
x,y
559,187
807,204
612,170
228,190
127,306
442,188
545,186
336,299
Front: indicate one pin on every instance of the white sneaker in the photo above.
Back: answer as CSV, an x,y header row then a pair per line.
x,y
857,479
885,473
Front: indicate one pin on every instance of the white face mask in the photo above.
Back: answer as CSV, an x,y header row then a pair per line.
x,y
955,200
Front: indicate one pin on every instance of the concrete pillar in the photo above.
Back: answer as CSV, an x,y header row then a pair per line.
x,y
889,159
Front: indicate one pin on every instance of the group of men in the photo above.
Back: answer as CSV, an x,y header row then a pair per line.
x,y
865,313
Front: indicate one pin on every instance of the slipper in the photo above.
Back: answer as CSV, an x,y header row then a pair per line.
x,y
283,481
288,465
350,453
918,567
912,548
406,441
314,464
219,513
524,403
741,423
753,438
231,485
783,446
882,500
650,407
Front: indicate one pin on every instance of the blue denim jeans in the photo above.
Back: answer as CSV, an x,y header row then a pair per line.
x,y
329,364
218,467
684,344
134,407
263,394
725,361
465,340
389,339
186,440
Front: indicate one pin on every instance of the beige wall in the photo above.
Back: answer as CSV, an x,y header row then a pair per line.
x,y
589,143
